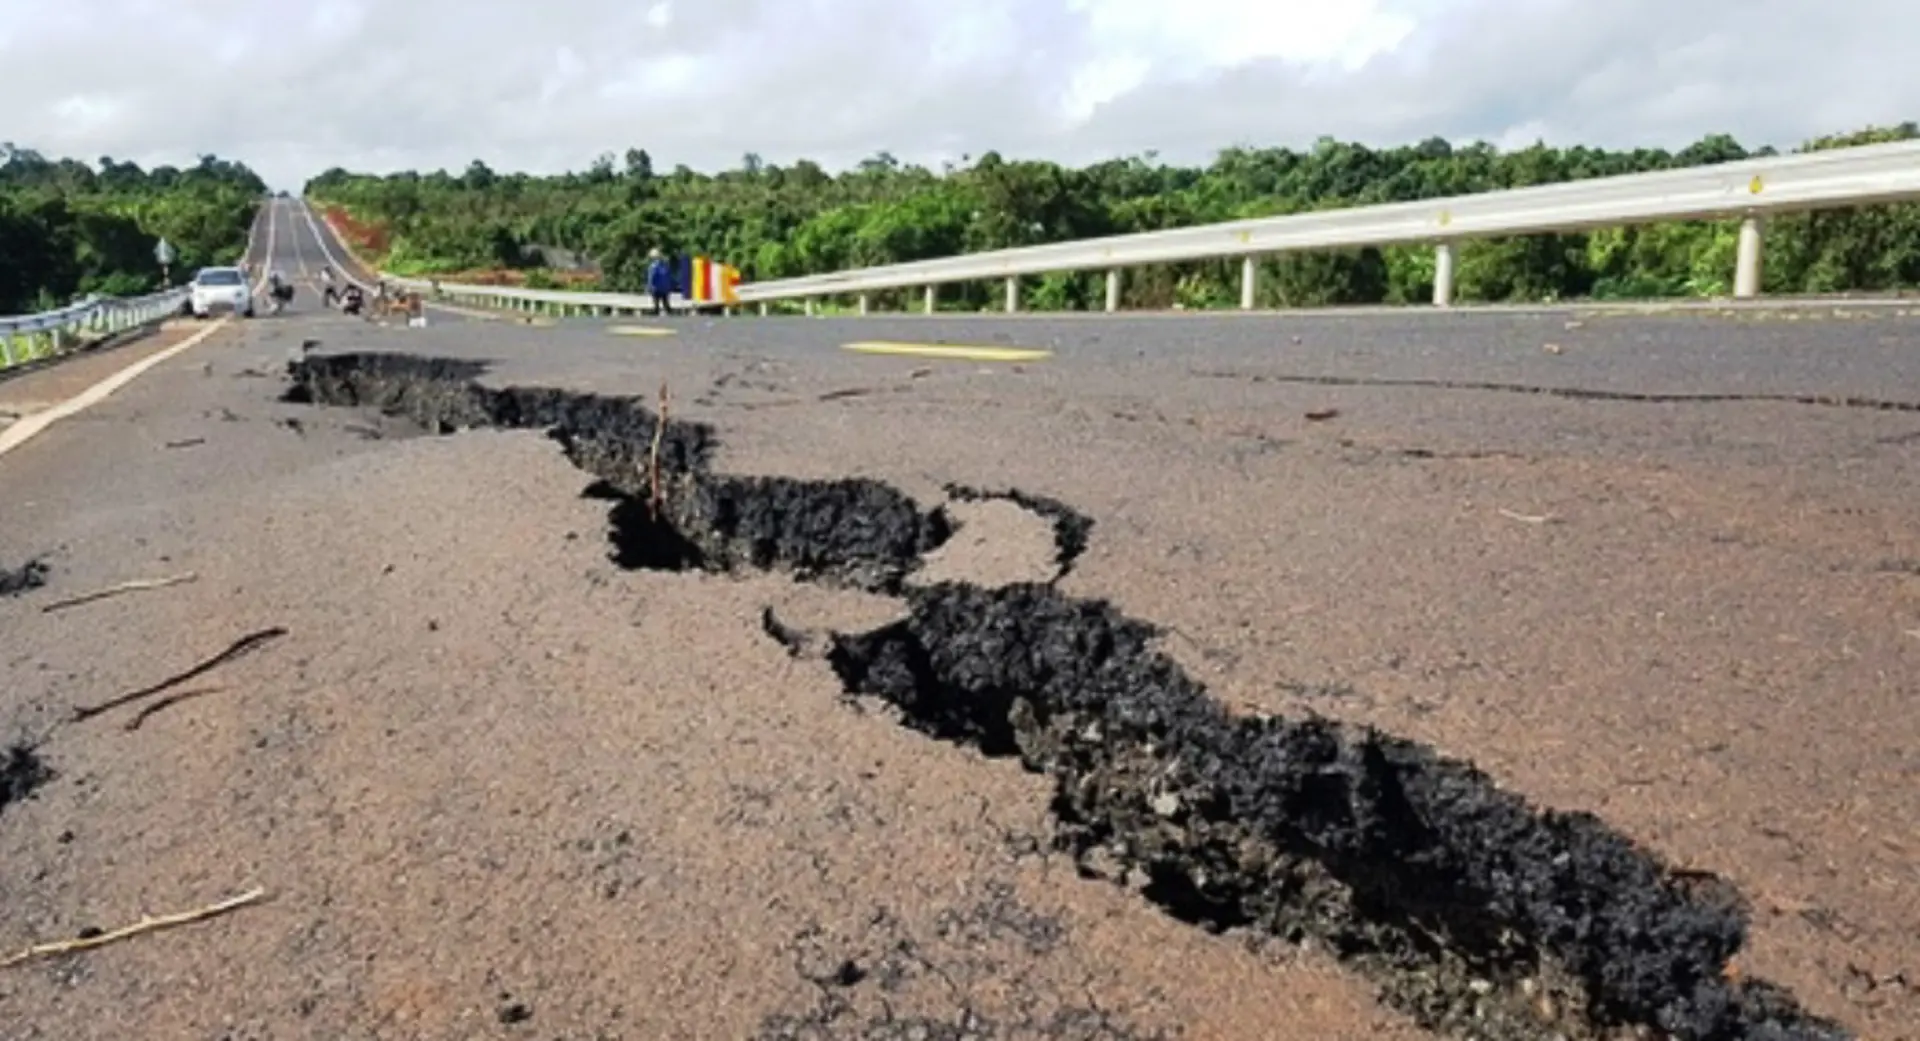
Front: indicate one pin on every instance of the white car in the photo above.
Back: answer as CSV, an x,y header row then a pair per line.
x,y
221,289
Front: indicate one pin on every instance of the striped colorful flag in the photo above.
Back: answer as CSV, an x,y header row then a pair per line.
x,y
705,281
714,282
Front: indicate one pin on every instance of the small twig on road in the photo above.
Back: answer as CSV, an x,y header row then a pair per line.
x,y
186,443
167,702
238,649
1526,518
146,924
655,499
135,586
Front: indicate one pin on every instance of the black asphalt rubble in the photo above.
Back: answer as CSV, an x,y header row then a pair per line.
x,y
21,772
23,579
1474,911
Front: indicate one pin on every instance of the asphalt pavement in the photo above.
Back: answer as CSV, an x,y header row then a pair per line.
x,y
1657,568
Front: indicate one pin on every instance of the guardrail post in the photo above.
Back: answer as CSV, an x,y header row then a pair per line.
x,y
864,303
1746,272
1249,281
763,308
1013,294
1113,290
931,295
809,307
1443,275
6,349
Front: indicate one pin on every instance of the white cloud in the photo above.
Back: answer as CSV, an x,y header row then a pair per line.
x,y
293,89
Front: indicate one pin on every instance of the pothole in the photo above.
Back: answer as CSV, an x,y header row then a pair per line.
x,y
1472,910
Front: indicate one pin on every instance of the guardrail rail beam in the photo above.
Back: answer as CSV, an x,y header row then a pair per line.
x,y
1750,190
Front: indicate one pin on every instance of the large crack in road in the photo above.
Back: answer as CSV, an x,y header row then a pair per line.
x,y
1474,911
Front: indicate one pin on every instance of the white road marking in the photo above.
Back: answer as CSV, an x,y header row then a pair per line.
x,y
266,261
27,426
13,436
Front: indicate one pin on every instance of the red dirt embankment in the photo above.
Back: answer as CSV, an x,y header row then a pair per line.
x,y
371,241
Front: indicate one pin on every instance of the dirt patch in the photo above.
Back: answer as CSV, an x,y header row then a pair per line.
x,y
995,543
1476,912
1071,528
892,979
23,579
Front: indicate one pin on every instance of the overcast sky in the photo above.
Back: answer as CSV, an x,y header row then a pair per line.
x,y
293,88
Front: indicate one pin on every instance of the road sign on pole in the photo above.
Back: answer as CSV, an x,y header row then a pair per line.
x,y
163,252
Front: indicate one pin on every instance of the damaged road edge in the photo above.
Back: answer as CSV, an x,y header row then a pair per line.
x,y
1472,910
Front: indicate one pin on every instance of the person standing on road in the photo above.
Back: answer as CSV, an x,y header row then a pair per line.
x,y
659,281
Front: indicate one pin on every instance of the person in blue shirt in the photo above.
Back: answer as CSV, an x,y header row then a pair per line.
x,y
659,281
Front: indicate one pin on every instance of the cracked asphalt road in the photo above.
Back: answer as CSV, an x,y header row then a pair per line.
x,y
497,786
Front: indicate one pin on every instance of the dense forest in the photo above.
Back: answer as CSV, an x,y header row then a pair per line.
x,y
68,228
774,222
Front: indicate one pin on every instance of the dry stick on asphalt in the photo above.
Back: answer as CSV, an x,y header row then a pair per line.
x,y
146,924
239,648
167,702
655,501
125,587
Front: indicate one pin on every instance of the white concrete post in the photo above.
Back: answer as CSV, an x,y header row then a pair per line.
x,y
1249,276
1013,294
1746,272
763,308
1443,275
809,307
864,303
1113,290
931,296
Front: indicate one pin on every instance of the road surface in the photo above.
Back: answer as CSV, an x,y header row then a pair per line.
x,y
496,784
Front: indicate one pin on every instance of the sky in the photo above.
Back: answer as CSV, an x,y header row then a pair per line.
x,y
292,89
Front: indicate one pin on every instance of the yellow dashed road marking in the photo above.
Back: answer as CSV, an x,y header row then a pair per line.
x,y
958,351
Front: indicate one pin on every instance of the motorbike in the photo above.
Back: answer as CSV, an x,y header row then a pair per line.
x,y
353,301
278,297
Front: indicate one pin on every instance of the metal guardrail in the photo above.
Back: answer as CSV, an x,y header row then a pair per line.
x,y
25,338
1751,190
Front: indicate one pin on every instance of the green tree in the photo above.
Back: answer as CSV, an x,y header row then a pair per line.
x,y
68,229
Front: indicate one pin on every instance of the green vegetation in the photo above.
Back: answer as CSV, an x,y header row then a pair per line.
x,y
67,229
775,222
